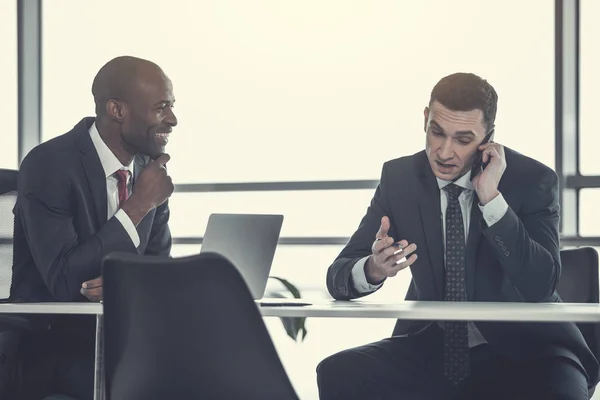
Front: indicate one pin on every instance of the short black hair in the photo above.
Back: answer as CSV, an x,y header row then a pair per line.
x,y
465,92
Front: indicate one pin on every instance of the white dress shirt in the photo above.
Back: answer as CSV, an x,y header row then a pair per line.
x,y
492,213
111,164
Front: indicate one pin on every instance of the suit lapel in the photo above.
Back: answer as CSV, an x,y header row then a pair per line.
x,y
472,245
92,168
431,218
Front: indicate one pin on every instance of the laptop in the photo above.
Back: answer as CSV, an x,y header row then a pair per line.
x,y
249,242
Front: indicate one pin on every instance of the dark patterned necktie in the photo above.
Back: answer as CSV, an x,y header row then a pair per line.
x,y
456,334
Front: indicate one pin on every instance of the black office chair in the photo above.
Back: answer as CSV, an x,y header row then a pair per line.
x,y
11,325
579,284
185,328
8,198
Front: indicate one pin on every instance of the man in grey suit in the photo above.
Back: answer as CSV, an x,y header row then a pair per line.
x,y
474,221
99,188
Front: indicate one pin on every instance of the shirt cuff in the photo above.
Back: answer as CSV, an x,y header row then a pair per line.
x,y
129,227
359,278
494,210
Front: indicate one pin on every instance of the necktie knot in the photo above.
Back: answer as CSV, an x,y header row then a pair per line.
x,y
453,191
122,175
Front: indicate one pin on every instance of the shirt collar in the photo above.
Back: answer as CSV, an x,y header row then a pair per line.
x,y
464,182
110,162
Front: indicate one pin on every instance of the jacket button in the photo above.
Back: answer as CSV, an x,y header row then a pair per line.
x,y
501,243
497,238
507,253
342,289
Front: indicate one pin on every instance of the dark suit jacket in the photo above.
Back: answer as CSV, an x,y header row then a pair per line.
x,y
61,227
515,260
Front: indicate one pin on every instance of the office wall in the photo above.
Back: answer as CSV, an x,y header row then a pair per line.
x,y
286,90
8,72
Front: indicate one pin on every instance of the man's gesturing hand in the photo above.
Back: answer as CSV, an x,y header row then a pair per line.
x,y
388,257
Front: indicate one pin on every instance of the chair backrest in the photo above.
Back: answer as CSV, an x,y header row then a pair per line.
x,y
579,280
579,284
8,198
185,328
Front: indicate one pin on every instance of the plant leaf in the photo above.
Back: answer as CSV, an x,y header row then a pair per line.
x,y
293,290
294,326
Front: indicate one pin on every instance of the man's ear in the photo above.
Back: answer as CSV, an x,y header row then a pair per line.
x,y
426,118
115,110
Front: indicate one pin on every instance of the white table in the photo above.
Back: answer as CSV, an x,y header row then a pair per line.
x,y
441,310
430,310
426,310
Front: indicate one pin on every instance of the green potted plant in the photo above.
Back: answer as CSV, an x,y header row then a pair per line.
x,y
295,327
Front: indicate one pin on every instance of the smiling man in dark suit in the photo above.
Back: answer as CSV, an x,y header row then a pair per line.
x,y
466,234
100,188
